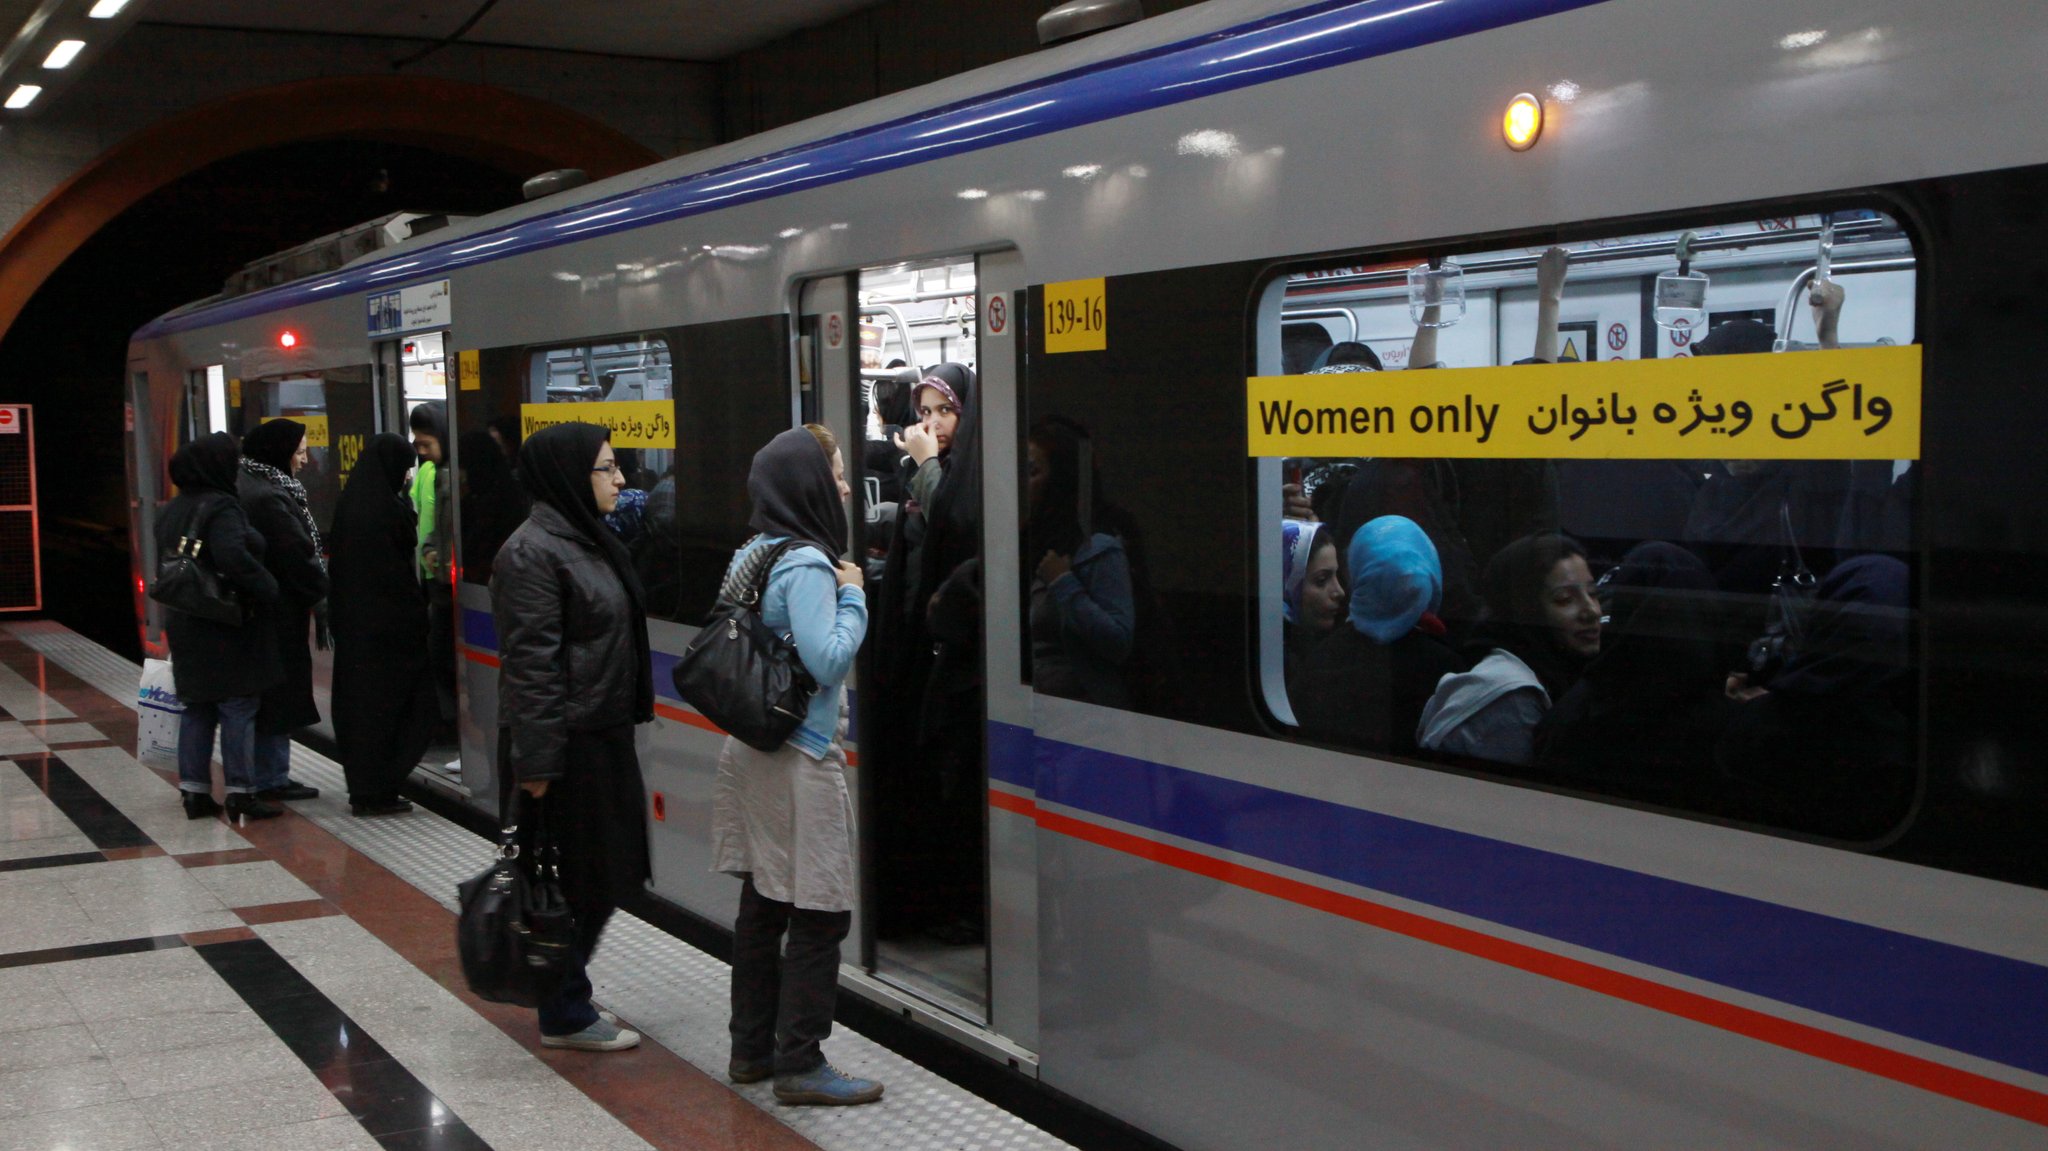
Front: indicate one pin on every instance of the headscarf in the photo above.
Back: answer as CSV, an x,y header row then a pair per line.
x,y
207,464
954,381
794,495
1513,588
1856,634
274,442
373,499
554,466
267,453
1657,652
1396,578
1297,545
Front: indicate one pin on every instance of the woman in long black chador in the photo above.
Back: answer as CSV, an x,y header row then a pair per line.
x,y
383,704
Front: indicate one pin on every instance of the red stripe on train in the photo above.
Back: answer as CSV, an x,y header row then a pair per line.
x,y
1913,1071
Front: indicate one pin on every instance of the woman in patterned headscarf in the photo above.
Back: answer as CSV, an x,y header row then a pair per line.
x,y
275,502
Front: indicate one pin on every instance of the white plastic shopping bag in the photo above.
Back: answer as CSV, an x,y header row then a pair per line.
x,y
158,713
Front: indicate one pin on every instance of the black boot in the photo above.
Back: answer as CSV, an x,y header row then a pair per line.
x,y
389,805
199,805
242,805
290,790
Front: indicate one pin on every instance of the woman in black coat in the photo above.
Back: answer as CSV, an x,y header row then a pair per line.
x,y
275,502
384,708
574,678
221,670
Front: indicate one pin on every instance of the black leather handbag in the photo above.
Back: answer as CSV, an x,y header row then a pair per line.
x,y
744,677
186,581
515,932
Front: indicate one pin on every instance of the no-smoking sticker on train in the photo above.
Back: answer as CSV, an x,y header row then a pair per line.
x,y
998,316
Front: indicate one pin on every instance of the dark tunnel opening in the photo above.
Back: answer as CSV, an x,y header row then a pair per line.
x,y
67,352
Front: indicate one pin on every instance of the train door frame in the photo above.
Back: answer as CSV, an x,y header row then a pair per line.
x,y
824,380
1000,283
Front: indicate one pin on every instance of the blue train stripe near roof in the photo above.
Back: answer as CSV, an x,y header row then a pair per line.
x,y
1955,997
1290,44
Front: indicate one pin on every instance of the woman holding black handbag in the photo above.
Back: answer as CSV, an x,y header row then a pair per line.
x,y
574,678
782,820
221,669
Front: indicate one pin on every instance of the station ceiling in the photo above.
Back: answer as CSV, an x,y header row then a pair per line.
x,y
668,29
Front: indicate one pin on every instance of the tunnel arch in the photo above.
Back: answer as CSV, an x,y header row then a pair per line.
x,y
503,129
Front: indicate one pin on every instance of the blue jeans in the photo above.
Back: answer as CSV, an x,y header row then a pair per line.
x,y
569,1010
236,720
273,760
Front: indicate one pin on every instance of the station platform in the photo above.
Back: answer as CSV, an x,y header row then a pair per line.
x,y
292,984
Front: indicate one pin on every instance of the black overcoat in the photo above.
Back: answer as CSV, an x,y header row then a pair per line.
x,y
212,661
289,554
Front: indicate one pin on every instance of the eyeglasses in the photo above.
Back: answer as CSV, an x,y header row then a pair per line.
x,y
607,469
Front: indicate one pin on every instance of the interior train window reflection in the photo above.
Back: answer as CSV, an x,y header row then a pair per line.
x,y
1652,551
625,384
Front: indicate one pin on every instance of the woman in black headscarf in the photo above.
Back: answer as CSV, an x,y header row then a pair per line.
x,y
383,703
782,821
573,679
275,502
221,670
1827,745
1648,710
1542,625
928,722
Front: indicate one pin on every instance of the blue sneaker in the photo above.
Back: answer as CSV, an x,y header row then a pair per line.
x,y
824,1086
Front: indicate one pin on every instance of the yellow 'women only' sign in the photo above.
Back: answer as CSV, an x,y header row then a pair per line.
x,y
1851,404
632,423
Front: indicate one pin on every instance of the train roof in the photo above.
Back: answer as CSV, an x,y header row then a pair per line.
x,y
1180,56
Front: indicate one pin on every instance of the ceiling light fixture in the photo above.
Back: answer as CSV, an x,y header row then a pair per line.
x,y
107,9
24,95
63,54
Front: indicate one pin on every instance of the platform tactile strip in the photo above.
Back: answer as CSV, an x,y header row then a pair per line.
x,y
674,993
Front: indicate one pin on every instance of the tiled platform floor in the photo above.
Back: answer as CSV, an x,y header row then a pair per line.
x,y
292,984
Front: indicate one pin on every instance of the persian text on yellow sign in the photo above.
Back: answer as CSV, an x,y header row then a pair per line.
x,y
1853,404
633,423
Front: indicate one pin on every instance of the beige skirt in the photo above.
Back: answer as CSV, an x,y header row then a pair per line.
x,y
787,819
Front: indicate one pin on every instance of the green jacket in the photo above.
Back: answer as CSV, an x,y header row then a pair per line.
x,y
426,501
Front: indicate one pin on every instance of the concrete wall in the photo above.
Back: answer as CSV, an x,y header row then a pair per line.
x,y
159,70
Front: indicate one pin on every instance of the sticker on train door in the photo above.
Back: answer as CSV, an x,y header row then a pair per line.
x,y
835,331
998,315
1076,317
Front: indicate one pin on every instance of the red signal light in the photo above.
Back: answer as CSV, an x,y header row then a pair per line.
x,y
288,339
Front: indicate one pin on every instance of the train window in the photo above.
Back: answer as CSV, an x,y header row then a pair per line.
x,y
624,383
338,407
1615,544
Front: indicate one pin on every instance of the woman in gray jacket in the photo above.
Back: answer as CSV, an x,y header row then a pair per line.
x,y
782,821
573,679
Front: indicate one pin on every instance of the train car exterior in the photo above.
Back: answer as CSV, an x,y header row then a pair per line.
x,y
1204,913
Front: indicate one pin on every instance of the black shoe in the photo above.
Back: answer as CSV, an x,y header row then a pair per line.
x,y
289,791
199,805
242,805
391,806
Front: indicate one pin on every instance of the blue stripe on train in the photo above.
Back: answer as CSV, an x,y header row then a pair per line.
x,y
1965,1000
1312,38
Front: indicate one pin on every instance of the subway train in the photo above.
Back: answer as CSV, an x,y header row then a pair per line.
x,y
1725,482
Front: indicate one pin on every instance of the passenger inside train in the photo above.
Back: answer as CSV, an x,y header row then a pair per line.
x,y
1639,627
